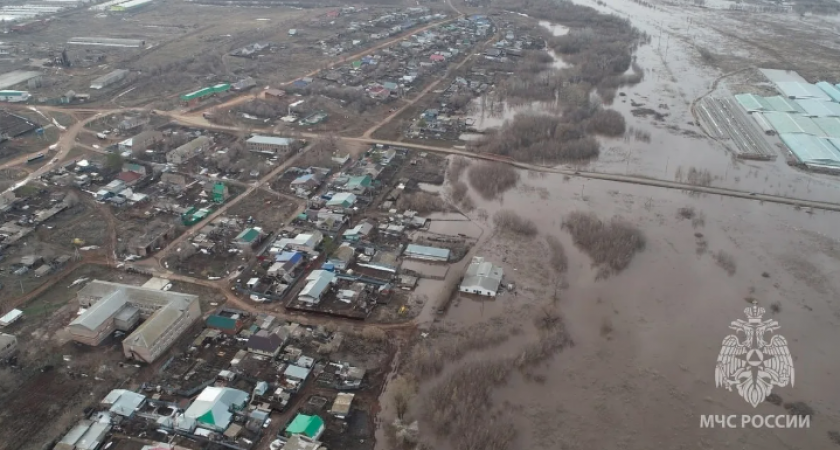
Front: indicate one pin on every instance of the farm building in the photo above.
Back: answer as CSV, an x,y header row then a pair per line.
x,y
427,253
482,278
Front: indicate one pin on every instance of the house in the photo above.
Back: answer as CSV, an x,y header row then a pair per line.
x,y
213,409
284,265
361,231
8,345
296,374
437,58
304,242
342,257
379,93
274,94
482,278
342,200
220,192
342,404
301,442
309,426
129,178
267,343
359,185
330,221
123,402
305,184
317,284
140,142
189,150
227,325
426,253
383,261
248,238
271,145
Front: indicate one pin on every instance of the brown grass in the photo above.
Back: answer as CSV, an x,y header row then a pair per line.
x,y
491,179
726,262
611,245
509,222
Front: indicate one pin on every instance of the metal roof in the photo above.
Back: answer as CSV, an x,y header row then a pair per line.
x,y
781,104
296,372
819,108
829,125
752,102
812,149
791,123
270,140
124,402
212,407
317,283
101,311
482,274
422,250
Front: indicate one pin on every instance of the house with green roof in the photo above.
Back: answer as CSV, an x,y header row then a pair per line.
x,y
309,426
227,325
249,237
220,192
359,185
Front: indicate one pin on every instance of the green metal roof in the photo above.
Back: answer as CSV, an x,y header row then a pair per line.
x,y
197,94
363,181
219,188
248,235
308,426
221,322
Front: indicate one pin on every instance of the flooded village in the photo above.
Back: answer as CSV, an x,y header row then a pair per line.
x,y
470,224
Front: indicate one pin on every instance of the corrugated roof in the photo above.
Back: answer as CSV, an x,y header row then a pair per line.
x,y
221,322
422,250
309,426
790,123
317,283
248,235
482,274
212,407
101,311
819,108
270,140
811,149
296,372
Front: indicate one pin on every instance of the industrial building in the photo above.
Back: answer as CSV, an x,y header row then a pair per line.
x,y
426,253
482,278
189,150
213,409
271,145
108,79
107,42
14,96
115,306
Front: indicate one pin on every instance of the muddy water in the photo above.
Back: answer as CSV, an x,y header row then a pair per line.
x,y
651,377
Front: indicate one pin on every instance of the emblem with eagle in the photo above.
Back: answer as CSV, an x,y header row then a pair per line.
x,y
753,365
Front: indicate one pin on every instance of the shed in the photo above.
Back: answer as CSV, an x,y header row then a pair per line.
x,y
341,406
427,253
11,317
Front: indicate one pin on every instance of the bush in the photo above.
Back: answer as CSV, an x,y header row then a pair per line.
x,y
543,138
491,179
611,245
607,122
558,259
456,168
510,222
422,202
726,262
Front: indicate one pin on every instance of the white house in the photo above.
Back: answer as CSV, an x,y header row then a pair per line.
x,y
317,283
482,278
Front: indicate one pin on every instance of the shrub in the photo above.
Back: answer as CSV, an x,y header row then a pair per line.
x,y
726,262
510,222
558,259
491,179
607,122
543,138
456,168
422,202
611,245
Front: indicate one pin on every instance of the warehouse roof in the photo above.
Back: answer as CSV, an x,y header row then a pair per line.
x,y
270,140
812,150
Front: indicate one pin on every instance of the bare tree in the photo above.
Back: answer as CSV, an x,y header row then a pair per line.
x,y
402,390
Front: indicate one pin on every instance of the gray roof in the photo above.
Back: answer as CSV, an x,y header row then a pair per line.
x,y
94,436
317,283
76,433
482,274
124,402
101,311
297,372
